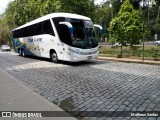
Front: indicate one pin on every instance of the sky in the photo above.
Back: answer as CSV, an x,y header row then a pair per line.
x,y
4,3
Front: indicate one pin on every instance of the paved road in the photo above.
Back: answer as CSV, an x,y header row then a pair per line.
x,y
89,86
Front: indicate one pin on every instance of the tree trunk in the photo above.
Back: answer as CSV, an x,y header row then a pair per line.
x,y
121,50
9,39
158,13
120,55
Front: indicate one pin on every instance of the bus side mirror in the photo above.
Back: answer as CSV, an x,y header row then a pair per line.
x,y
100,28
69,25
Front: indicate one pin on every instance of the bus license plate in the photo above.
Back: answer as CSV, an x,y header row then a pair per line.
x,y
89,57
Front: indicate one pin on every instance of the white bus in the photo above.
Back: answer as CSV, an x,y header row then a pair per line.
x,y
58,36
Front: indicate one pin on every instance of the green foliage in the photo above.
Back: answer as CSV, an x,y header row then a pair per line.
x,y
155,53
27,10
103,17
156,27
152,20
157,2
20,12
127,26
23,11
116,4
82,7
5,33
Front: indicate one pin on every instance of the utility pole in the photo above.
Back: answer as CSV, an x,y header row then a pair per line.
x,y
143,38
148,10
143,29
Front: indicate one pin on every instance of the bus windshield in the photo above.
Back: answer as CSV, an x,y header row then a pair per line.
x,y
83,33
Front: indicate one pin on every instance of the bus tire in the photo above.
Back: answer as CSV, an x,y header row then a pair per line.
x,y
23,53
19,52
54,57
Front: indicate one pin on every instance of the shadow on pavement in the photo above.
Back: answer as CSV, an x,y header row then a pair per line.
x,y
92,62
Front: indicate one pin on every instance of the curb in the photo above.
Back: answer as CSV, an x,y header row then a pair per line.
x,y
130,60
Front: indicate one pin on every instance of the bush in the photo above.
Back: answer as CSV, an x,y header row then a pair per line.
x,y
135,51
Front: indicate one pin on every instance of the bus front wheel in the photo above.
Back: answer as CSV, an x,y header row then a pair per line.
x,y
54,57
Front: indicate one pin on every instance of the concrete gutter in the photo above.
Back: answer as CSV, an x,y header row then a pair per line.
x,y
130,60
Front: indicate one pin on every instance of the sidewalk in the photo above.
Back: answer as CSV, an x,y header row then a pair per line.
x,y
130,60
16,97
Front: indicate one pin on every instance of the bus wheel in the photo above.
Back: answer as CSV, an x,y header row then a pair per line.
x,y
19,52
54,57
22,53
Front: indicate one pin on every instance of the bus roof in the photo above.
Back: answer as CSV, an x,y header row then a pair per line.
x,y
52,15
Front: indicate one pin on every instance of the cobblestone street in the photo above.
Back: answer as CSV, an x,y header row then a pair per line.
x,y
89,86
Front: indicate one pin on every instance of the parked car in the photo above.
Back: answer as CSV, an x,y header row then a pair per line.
x,y
5,48
117,44
157,42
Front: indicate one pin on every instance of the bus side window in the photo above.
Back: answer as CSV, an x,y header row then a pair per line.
x,y
15,34
25,34
37,29
47,28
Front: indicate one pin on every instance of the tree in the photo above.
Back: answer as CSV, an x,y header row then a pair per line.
x,y
20,12
82,7
103,17
6,25
116,4
24,11
150,11
127,26
5,33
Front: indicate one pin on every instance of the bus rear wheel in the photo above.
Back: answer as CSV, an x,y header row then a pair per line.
x,y
22,53
19,52
54,57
